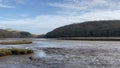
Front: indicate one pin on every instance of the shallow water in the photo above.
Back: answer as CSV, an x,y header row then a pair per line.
x,y
51,53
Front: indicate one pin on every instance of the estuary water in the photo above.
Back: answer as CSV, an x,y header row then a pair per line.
x,y
52,53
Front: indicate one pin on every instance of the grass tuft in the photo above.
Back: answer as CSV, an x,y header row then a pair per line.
x,y
14,51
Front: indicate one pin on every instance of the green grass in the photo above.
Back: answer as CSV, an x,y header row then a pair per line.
x,y
17,42
14,51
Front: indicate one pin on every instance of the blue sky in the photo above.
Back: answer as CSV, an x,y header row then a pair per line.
x,y
42,16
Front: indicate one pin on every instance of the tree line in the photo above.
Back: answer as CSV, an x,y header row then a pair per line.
x,y
105,28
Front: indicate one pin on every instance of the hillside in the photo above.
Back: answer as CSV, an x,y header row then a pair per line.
x,y
9,33
108,28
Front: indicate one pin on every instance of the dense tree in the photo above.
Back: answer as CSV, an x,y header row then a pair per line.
x,y
108,28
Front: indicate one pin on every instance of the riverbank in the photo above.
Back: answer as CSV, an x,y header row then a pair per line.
x,y
91,38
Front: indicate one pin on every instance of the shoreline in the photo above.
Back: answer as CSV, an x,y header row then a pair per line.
x,y
90,38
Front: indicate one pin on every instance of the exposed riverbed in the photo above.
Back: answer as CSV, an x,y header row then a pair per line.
x,y
51,53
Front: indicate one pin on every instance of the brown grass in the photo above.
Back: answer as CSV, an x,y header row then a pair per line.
x,y
17,42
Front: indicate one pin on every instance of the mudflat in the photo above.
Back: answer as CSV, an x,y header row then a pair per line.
x,y
66,54
67,58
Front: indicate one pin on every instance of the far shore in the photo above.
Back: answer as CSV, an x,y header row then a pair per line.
x,y
91,38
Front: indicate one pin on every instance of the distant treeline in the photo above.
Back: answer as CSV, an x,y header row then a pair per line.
x,y
108,28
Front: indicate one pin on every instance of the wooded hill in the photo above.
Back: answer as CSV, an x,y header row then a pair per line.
x,y
9,33
108,28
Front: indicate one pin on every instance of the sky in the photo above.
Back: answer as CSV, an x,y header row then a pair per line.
x,y
42,16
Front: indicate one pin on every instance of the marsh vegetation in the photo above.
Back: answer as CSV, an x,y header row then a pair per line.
x,y
16,42
14,51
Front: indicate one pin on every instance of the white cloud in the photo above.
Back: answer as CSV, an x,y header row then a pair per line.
x,y
87,5
73,11
101,15
68,6
10,4
6,6
45,23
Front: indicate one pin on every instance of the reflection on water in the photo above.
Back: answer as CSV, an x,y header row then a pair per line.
x,y
41,54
